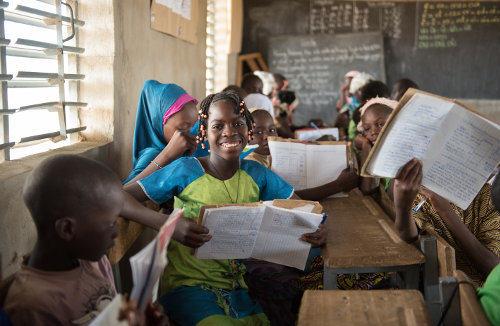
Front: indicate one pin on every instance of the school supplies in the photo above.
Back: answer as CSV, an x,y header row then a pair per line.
x,y
459,149
261,231
148,264
307,164
313,134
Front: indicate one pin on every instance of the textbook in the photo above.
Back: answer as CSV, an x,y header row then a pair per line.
x,y
307,164
313,134
261,231
148,264
459,149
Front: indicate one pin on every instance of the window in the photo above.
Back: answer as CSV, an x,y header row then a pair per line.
x,y
210,52
39,75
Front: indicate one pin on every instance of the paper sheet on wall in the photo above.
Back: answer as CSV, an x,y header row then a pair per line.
x,y
263,232
458,148
307,165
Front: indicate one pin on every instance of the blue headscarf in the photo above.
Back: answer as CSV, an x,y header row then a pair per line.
x,y
156,98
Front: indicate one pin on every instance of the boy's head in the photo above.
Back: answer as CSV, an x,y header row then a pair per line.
x,y
400,88
252,84
263,127
74,202
281,82
374,115
236,89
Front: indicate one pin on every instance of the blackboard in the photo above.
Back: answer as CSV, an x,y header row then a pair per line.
x,y
449,48
316,64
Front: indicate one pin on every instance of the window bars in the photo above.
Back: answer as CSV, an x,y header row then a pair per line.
x,y
210,51
36,60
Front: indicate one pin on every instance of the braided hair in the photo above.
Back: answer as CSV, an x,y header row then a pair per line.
x,y
227,96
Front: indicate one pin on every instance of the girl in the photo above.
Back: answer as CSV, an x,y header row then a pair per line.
x,y
165,116
213,291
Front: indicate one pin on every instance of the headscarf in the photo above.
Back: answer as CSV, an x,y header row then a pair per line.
x,y
258,101
158,102
359,81
376,100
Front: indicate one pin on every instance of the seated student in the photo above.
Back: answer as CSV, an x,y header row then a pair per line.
x,y
400,88
474,232
165,116
285,103
213,291
268,82
253,86
67,279
263,128
489,294
355,86
374,114
236,89
343,104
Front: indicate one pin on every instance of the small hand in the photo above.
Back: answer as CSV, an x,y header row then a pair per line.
x,y
435,200
190,233
406,184
348,179
317,238
181,142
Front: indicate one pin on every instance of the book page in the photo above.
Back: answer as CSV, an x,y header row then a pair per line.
x,y
234,232
324,163
278,241
313,134
469,154
410,134
289,162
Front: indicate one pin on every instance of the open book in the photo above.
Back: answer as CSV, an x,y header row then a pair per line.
x,y
459,149
307,165
260,231
148,264
313,134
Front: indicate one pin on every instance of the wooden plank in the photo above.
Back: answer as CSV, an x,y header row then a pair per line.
x,y
376,307
446,255
471,311
357,238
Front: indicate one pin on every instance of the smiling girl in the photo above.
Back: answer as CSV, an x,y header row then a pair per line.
x,y
212,291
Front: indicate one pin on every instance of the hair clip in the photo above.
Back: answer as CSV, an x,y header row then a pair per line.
x,y
242,103
202,145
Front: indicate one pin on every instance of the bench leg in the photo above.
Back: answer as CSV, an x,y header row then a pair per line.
x,y
411,278
329,279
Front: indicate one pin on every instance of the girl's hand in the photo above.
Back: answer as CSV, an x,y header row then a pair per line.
x,y
190,233
153,315
406,185
348,179
181,142
438,202
317,238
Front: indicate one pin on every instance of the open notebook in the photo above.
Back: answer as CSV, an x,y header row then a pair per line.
x,y
459,148
307,164
260,231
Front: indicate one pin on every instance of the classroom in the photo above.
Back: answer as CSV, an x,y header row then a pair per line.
x,y
250,162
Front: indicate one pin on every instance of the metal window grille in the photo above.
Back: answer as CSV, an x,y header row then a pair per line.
x,y
210,51
39,74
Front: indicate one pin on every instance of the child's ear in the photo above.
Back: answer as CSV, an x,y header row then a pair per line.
x,y
66,228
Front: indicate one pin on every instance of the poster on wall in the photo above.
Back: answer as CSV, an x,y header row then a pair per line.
x,y
178,18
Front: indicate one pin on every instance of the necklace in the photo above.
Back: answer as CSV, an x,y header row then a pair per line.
x,y
224,182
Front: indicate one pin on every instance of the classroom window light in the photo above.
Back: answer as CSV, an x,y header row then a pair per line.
x,y
39,77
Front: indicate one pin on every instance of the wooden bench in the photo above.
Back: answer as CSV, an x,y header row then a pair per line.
x,y
471,312
377,307
362,239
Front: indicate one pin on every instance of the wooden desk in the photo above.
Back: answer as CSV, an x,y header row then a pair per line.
x,y
362,239
377,307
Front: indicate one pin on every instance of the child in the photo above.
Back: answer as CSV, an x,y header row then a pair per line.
x,y
67,279
253,86
213,291
400,88
374,115
474,232
263,128
285,103
165,116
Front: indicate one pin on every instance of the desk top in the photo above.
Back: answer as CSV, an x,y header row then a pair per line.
x,y
360,235
375,307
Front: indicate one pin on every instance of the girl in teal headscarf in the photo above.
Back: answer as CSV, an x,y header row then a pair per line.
x,y
165,116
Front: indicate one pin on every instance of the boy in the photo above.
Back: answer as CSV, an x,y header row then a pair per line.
x,y
67,279
253,86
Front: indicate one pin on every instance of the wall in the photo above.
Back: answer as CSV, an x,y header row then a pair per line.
x,y
121,53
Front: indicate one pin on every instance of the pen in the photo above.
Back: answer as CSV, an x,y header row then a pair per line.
x,y
314,125
419,205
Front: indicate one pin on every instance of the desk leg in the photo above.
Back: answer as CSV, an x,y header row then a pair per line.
x,y
329,279
411,278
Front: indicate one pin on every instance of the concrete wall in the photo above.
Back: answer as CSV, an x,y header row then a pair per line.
x,y
121,53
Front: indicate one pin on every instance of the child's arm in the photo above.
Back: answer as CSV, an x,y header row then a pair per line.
x,y
405,190
180,143
317,238
186,231
366,185
480,256
346,181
